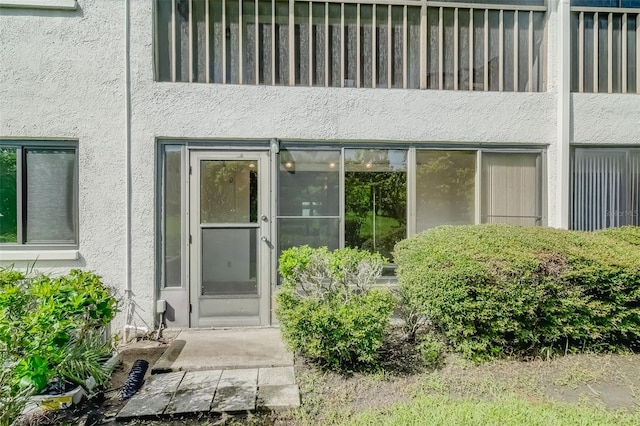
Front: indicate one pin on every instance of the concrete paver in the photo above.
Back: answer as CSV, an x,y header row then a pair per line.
x,y
235,398
279,396
195,393
153,397
237,391
276,376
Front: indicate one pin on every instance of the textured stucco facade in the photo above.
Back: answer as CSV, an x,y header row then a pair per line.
x,y
66,75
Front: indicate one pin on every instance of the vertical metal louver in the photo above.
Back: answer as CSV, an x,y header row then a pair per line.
x,y
605,188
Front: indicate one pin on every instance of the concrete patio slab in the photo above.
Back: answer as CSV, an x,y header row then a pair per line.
x,y
153,398
235,398
226,349
276,376
278,396
195,393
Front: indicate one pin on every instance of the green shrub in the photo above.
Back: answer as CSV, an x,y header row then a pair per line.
x,y
327,309
52,327
630,234
496,289
431,350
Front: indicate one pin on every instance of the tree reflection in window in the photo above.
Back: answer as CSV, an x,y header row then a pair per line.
x,y
375,199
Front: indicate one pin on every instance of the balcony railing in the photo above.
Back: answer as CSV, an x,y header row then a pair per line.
x,y
605,50
411,44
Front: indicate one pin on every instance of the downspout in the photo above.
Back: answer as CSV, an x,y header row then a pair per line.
x,y
564,114
127,107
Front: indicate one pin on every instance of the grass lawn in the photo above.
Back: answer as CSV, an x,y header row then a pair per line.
x,y
445,410
582,389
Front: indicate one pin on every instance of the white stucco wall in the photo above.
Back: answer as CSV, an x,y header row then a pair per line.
x,y
62,75
605,119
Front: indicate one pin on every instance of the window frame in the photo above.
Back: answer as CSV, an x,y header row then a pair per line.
x,y
21,147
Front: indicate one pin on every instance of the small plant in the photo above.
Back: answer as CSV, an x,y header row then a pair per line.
x,y
327,307
53,328
431,350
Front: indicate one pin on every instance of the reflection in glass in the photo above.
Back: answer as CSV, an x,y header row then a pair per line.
x,y
172,220
445,188
50,195
309,183
228,191
229,262
8,194
314,232
375,199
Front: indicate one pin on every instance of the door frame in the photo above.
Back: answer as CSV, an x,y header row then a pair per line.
x,y
264,247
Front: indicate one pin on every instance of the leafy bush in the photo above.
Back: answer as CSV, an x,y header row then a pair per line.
x,y
52,327
328,310
431,350
495,289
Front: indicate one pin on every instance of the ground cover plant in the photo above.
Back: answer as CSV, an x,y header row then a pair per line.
x,y
327,307
51,329
498,289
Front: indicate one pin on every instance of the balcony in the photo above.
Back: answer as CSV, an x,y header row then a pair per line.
x,y
407,44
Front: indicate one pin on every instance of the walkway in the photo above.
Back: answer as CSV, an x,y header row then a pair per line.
x,y
233,370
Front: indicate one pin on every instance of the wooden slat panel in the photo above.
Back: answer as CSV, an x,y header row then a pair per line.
x,y
224,42
327,41
440,48
486,50
456,47
207,54
471,72
405,38
174,47
581,53
257,49
501,52
342,43
374,53
423,45
292,43
516,53
624,53
595,52
358,43
240,58
389,48
190,41
610,53
310,43
530,57
273,42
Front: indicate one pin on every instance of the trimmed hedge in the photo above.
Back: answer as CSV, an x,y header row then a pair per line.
x,y
495,289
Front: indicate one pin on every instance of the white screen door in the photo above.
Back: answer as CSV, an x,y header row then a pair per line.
x,y
230,241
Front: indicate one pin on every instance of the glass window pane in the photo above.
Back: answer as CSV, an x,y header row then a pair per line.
x,y
375,199
50,195
308,183
8,196
511,189
314,232
445,188
172,220
228,191
229,262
